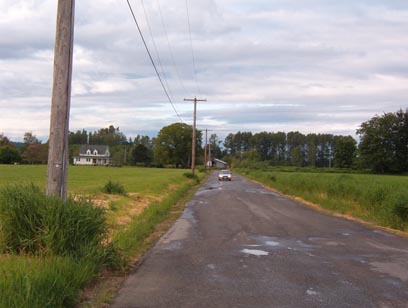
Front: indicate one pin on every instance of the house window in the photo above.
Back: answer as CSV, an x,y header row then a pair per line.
x,y
88,160
78,159
88,152
95,152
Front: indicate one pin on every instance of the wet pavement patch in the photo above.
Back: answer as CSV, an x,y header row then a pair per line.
x,y
273,243
255,252
396,270
311,292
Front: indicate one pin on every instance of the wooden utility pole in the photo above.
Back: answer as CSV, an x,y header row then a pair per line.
x,y
193,151
209,153
205,150
61,100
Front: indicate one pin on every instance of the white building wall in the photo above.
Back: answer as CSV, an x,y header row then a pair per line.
x,y
89,161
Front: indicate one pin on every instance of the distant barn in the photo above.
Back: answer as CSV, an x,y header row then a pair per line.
x,y
93,155
218,163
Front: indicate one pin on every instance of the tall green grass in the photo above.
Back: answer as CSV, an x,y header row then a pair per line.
x,y
39,282
381,199
37,224
50,249
53,247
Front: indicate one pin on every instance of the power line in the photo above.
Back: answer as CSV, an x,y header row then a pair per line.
x,y
152,61
170,49
156,50
218,130
192,49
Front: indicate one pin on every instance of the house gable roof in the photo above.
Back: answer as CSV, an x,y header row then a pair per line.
x,y
101,149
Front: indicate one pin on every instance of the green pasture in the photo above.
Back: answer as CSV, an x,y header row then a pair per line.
x,y
90,179
380,199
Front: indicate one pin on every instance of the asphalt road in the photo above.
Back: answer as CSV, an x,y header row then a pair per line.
x,y
240,245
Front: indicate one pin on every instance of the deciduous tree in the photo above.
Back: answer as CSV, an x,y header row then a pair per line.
x,y
9,154
36,153
384,141
173,145
4,140
30,138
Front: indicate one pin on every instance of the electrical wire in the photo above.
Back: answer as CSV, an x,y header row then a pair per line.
x,y
169,45
152,61
156,50
192,49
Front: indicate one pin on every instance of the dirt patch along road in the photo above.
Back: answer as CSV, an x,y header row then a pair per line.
x,y
240,245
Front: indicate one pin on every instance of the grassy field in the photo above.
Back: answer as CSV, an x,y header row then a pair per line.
x,y
380,199
28,280
90,180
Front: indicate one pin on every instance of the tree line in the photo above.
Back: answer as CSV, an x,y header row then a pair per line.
x,y
292,149
383,147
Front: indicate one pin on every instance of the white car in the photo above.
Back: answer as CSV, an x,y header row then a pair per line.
x,y
224,175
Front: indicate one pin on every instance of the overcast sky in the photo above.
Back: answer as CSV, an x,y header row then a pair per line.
x,y
321,66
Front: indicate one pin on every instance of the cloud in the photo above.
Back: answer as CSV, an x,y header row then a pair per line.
x,y
276,65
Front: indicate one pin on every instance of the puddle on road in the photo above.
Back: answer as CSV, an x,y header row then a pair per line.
x,y
311,292
208,190
384,233
195,202
172,240
188,214
396,270
386,247
394,282
211,266
255,252
270,244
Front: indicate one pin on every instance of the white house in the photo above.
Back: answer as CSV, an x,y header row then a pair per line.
x,y
93,155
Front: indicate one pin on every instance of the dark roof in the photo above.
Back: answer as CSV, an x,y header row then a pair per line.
x,y
102,149
220,161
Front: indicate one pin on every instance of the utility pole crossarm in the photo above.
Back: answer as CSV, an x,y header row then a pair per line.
x,y
195,100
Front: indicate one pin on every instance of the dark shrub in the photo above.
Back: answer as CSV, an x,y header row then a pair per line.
x,y
401,207
192,176
114,188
